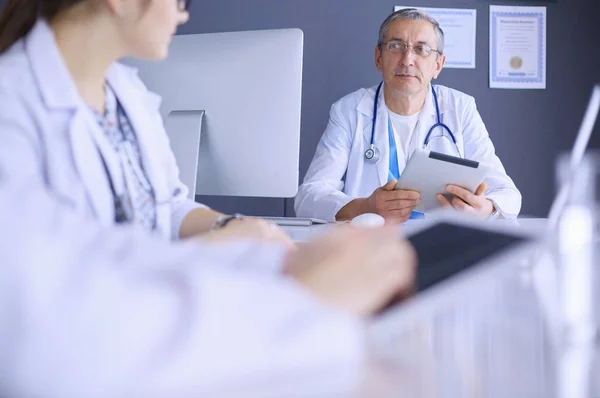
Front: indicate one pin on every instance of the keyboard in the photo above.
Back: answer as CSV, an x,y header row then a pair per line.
x,y
295,221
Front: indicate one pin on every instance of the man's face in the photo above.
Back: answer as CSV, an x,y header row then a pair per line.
x,y
409,73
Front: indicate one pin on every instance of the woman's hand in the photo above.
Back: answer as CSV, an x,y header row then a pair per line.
x,y
354,269
249,228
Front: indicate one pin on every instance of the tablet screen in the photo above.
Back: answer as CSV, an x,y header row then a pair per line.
x,y
445,249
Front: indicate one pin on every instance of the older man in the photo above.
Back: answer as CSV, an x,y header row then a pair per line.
x,y
372,133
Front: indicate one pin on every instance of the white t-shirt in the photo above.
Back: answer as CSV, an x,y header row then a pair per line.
x,y
404,128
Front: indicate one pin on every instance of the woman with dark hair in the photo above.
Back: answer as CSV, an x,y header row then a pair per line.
x,y
92,133
90,307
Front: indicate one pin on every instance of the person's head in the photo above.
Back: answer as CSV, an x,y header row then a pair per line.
x,y
143,28
410,51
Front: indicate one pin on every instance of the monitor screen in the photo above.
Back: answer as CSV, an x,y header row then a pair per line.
x,y
231,103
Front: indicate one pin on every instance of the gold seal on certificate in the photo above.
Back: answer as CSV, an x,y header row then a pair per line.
x,y
516,62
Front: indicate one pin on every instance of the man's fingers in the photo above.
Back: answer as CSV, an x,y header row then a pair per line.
x,y
462,193
390,185
400,205
460,204
402,194
481,189
399,214
443,201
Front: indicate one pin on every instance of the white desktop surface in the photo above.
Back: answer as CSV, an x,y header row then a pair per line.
x,y
495,341
303,233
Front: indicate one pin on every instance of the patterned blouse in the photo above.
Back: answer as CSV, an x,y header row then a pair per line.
x,y
139,194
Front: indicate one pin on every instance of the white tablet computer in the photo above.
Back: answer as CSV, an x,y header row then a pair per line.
x,y
430,172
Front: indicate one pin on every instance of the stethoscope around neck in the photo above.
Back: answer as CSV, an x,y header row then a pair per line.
x,y
372,154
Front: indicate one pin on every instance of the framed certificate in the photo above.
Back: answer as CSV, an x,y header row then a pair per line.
x,y
518,47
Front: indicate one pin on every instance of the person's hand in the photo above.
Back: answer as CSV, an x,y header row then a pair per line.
x,y
250,228
465,201
392,204
353,269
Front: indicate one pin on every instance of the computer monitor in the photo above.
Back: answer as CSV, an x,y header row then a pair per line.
x,y
231,105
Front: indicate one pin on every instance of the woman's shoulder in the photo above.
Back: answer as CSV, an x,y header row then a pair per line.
x,y
19,94
15,69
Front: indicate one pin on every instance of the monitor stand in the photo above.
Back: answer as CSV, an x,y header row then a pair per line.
x,y
184,129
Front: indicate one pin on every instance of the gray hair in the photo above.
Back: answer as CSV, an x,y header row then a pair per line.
x,y
411,14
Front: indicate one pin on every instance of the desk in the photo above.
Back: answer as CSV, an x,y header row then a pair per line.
x,y
501,341
497,341
302,234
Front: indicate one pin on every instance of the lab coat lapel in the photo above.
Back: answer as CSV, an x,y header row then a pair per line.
x,y
381,141
427,118
139,112
59,93
89,151
141,108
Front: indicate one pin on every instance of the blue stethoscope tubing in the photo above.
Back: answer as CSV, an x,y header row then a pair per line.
x,y
372,154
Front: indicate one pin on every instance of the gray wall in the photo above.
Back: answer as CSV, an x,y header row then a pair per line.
x,y
529,128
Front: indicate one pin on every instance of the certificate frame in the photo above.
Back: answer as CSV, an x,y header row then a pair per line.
x,y
518,80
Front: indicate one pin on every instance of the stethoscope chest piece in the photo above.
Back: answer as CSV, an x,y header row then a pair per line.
x,y
372,155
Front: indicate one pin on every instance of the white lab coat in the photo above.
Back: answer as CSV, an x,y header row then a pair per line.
x,y
93,309
339,173
59,142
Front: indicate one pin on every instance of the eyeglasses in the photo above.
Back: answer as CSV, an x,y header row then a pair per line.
x,y
183,5
422,50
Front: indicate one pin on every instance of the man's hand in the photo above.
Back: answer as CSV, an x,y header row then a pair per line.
x,y
392,204
467,202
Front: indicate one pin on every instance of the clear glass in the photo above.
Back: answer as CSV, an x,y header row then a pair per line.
x,y
577,253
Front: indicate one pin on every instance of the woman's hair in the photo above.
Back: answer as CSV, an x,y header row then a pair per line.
x,y
19,17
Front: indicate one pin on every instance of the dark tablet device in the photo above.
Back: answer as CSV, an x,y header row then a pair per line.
x,y
446,249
